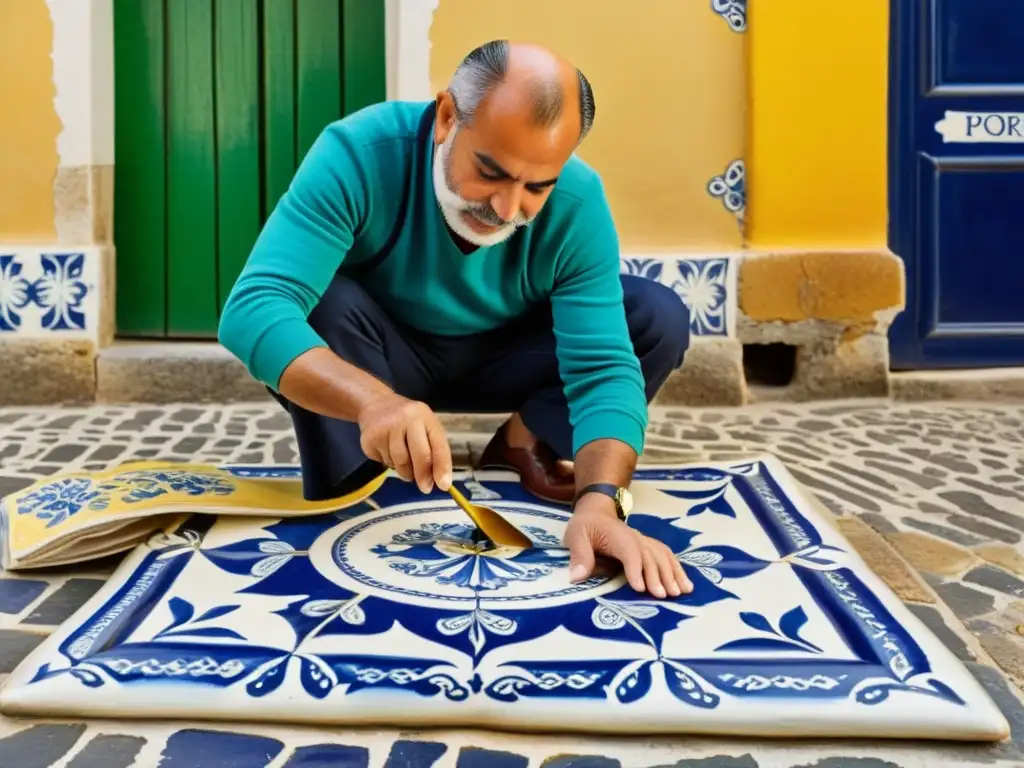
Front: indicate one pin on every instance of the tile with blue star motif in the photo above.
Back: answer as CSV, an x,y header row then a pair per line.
x,y
396,611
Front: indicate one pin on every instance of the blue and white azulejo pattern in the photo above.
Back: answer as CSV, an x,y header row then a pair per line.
x,y
731,188
397,611
706,285
733,11
48,294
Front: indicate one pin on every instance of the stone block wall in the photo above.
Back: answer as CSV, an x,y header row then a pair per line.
x,y
56,199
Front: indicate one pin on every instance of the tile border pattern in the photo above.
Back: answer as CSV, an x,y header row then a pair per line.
x,y
705,283
55,293
50,293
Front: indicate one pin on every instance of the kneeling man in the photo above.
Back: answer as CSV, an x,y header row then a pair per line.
x,y
457,256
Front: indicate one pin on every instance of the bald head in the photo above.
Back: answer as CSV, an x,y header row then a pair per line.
x,y
521,75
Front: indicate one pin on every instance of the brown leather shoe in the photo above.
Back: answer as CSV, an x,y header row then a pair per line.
x,y
537,467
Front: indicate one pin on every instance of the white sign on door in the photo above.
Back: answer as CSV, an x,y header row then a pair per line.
x,y
982,127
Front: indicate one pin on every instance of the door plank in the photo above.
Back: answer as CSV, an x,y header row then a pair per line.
x,y
238,138
191,183
363,35
140,227
318,24
279,75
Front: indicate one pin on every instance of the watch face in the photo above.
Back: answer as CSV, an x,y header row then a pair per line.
x,y
625,501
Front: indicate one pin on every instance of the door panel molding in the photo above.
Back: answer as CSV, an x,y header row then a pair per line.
x,y
953,220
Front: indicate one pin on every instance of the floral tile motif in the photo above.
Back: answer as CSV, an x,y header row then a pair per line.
x,y
731,188
397,612
733,11
706,285
76,516
49,294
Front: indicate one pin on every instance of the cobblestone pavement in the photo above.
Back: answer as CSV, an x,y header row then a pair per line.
x,y
943,484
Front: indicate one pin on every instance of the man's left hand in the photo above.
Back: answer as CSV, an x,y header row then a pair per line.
x,y
648,564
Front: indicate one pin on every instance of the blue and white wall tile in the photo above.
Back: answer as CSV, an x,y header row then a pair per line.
x,y
49,294
706,284
733,11
731,188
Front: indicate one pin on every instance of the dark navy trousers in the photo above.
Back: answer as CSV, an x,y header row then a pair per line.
x,y
512,368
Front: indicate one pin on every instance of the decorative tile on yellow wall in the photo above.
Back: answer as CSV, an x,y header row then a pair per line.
x,y
733,11
670,96
730,187
51,294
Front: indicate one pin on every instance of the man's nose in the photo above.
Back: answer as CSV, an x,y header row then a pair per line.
x,y
507,202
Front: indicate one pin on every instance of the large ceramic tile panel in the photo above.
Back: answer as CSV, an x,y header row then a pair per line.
x,y
392,612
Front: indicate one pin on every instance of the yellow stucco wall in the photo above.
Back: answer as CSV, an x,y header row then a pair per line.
x,y
669,83
29,128
816,163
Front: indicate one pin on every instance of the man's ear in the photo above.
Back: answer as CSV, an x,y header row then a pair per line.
x,y
446,117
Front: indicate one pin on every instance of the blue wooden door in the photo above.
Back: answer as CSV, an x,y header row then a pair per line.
x,y
956,190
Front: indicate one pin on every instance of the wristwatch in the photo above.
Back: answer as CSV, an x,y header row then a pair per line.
x,y
621,496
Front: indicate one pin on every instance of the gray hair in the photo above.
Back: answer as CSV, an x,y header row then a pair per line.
x,y
485,67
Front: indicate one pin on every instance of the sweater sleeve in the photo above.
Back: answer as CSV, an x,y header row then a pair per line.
x,y
303,243
601,374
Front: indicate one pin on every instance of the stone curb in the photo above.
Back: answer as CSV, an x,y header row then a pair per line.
x,y
714,373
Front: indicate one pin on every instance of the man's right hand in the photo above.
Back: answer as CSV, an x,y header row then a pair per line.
x,y
406,435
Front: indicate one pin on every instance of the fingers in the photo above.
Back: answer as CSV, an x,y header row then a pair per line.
x,y
407,436
648,564
652,576
624,545
665,570
420,454
371,452
682,580
399,453
581,554
440,452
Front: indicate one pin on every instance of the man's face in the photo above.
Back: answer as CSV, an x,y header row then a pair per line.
x,y
495,175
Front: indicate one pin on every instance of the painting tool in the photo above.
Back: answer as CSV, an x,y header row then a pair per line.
x,y
499,530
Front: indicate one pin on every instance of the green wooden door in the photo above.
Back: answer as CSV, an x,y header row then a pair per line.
x,y
216,102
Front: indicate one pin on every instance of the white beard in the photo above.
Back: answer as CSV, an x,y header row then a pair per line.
x,y
452,206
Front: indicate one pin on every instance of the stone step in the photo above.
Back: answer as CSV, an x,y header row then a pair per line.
x,y
205,372
980,384
184,372
173,372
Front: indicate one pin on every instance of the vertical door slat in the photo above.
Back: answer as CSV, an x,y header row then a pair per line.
x,y
215,109
279,140
319,57
139,197
238,138
191,183
364,59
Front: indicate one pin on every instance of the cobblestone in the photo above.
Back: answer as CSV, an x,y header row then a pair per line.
x,y
997,579
109,752
65,601
946,477
15,645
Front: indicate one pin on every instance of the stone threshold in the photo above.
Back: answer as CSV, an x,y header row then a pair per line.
x,y
205,372
983,384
